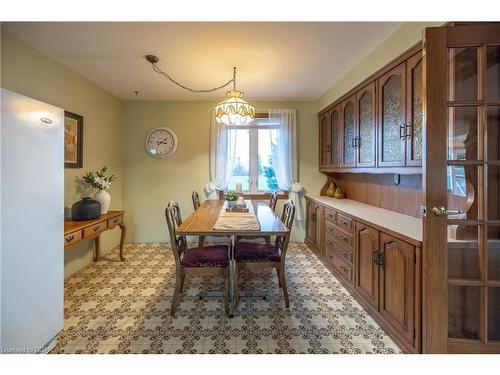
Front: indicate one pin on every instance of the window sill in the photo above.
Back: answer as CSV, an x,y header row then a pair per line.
x,y
281,195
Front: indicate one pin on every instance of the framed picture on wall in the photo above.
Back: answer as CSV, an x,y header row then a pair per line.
x,y
73,140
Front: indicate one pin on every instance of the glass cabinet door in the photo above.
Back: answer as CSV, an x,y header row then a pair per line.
x,y
364,144
414,122
349,133
392,117
335,141
325,141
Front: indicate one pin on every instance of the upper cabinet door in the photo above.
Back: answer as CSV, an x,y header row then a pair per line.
x,y
392,117
325,141
348,110
364,144
335,129
414,115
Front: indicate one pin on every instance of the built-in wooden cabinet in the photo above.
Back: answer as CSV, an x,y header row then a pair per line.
x,y
325,131
380,270
349,136
414,112
377,126
397,263
367,271
314,225
335,139
392,117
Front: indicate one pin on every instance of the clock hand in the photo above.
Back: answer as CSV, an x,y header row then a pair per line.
x,y
162,142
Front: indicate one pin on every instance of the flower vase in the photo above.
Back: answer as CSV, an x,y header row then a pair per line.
x,y
103,197
331,190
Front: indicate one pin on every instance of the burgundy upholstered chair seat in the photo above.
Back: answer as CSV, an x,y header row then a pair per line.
x,y
206,256
256,252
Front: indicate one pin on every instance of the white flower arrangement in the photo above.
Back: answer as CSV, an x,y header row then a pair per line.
x,y
99,180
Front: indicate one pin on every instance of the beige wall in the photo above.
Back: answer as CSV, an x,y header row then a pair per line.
x,y
149,184
31,73
402,39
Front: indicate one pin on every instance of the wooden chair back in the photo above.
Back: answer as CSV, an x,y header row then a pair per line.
x,y
177,243
273,200
287,218
196,200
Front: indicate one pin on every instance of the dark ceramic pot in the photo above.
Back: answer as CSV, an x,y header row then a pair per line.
x,y
86,209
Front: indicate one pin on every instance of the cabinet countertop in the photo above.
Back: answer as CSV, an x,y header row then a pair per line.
x,y
405,225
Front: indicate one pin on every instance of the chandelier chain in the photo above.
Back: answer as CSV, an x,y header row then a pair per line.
x,y
166,75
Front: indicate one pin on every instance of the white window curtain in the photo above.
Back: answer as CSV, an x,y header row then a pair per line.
x,y
222,155
284,156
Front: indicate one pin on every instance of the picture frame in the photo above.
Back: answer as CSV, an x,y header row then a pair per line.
x,y
73,140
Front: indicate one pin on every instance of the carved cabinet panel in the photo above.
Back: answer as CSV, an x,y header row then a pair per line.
x,y
349,133
367,272
325,139
392,117
414,126
397,285
365,141
335,126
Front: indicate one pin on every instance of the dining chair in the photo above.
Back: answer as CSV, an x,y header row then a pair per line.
x,y
202,260
196,204
273,200
255,256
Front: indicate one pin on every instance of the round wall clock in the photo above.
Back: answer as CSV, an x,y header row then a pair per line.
x,y
161,142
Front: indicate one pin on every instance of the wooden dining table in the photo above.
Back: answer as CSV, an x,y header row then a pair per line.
x,y
202,221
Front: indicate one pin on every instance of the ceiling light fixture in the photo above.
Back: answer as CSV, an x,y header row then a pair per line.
x,y
232,111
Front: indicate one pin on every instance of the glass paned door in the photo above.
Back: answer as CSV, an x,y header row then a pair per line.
x,y
392,117
349,133
414,116
365,141
335,125
461,180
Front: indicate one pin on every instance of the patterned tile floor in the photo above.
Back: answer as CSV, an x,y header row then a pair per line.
x,y
115,307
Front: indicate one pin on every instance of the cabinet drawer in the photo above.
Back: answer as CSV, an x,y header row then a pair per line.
x,y
115,221
330,215
72,238
342,238
94,229
333,247
342,267
344,222
329,228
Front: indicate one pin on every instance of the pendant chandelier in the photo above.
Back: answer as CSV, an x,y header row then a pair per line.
x,y
232,111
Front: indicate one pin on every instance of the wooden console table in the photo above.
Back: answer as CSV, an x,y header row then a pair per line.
x,y
75,231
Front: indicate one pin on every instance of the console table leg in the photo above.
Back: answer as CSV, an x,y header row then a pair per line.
x,y
97,248
122,240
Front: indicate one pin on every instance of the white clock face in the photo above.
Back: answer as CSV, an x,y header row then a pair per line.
x,y
161,142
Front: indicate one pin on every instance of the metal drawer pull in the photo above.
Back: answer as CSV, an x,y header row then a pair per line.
x,y
344,253
95,229
70,238
378,258
402,131
344,269
345,238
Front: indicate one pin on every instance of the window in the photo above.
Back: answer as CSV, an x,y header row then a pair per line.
x,y
456,181
253,162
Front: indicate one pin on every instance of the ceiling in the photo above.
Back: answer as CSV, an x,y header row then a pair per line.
x,y
275,61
